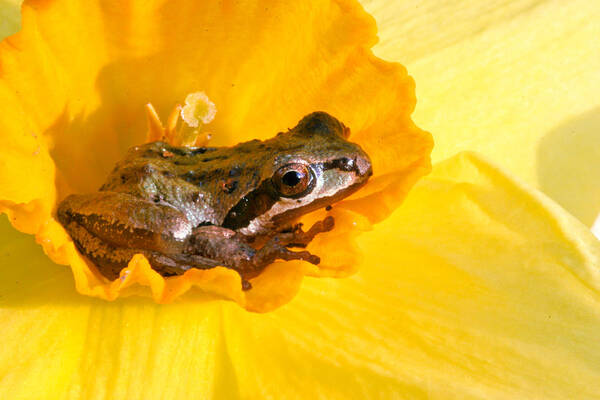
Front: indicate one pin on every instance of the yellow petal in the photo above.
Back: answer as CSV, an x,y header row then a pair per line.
x,y
476,288
517,81
9,17
75,81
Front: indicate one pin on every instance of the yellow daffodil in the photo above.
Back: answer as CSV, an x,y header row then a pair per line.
x,y
478,286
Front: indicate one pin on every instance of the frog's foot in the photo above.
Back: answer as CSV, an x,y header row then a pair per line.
x,y
298,238
275,251
271,251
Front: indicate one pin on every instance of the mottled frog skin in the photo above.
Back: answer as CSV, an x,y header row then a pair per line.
x,y
186,207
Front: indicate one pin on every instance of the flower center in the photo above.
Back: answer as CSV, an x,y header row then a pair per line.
x,y
197,112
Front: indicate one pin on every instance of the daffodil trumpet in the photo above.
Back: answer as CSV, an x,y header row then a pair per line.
x,y
86,122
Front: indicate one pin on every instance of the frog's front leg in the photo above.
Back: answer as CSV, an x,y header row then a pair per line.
x,y
233,251
277,246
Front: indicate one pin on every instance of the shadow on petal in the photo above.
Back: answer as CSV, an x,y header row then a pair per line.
x,y
568,165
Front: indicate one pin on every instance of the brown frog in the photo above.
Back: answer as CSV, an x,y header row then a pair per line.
x,y
199,207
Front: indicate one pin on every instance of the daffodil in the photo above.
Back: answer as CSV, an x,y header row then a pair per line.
x,y
477,286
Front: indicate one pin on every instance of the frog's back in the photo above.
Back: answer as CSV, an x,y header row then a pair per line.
x,y
202,182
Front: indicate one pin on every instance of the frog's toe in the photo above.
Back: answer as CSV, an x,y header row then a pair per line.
x,y
302,239
328,223
246,285
289,255
321,226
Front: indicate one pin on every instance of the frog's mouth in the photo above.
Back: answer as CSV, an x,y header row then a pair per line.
x,y
294,213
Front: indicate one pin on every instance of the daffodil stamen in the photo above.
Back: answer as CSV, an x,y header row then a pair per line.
x,y
198,108
197,112
155,127
172,121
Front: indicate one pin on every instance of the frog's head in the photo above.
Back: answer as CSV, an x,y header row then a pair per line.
x,y
313,165
317,164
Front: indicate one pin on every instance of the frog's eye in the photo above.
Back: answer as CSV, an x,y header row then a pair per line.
x,y
293,180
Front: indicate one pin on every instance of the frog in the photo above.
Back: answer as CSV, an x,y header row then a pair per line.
x,y
203,207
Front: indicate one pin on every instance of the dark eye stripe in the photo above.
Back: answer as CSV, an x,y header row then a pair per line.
x,y
343,164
